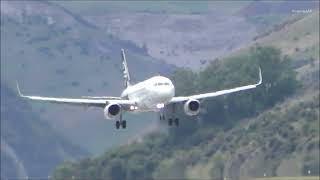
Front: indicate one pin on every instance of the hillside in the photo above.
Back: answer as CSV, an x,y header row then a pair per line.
x,y
29,146
51,51
101,7
174,32
277,141
187,34
272,130
299,39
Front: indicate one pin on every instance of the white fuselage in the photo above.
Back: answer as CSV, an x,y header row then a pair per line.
x,y
151,94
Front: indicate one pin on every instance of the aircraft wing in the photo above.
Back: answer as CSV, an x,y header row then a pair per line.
x,y
94,102
218,93
102,97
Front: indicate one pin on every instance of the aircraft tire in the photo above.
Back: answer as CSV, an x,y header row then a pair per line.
x,y
162,117
176,122
124,124
117,124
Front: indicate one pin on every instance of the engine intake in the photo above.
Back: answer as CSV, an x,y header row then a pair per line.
x,y
192,107
112,110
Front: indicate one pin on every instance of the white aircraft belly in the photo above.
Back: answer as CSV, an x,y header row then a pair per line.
x,y
146,99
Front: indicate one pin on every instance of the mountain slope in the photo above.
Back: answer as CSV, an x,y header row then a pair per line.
x,y
29,146
299,37
187,34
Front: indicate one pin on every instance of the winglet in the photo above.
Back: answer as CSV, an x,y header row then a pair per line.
x,y
19,92
260,77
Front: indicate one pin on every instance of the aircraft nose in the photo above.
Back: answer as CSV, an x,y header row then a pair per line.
x,y
166,92
172,91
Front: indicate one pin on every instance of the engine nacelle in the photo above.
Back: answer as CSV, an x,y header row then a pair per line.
x,y
112,110
192,107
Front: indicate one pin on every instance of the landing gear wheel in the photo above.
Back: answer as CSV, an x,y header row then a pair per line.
x,y
162,117
124,124
176,122
170,122
117,124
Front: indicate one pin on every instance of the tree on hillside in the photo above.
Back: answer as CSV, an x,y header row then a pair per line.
x,y
185,82
218,167
279,81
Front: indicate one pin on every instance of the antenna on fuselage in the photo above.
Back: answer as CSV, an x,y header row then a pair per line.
x,y
125,70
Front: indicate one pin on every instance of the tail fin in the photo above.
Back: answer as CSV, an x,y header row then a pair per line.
x,y
125,70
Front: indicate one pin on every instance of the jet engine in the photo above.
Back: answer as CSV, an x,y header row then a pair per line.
x,y
192,107
112,110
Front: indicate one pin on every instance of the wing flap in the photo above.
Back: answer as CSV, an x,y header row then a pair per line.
x,y
223,92
101,97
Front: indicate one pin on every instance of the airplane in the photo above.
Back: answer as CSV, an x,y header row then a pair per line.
x,y
152,95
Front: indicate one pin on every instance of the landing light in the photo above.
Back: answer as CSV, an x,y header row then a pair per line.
x,y
133,108
159,106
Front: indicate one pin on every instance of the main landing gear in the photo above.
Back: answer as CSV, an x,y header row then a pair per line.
x,y
121,123
171,121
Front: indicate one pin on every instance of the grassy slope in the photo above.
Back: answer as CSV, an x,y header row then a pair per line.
x,y
254,138
300,41
303,34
